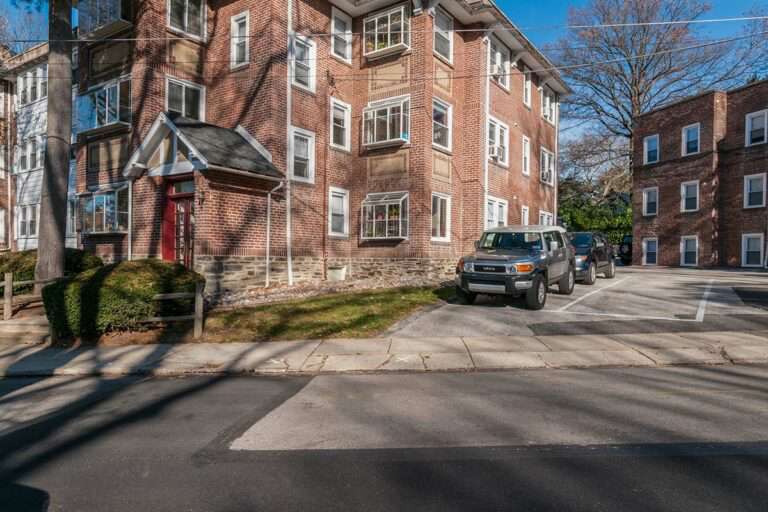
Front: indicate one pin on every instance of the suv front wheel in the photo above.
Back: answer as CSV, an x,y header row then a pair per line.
x,y
536,296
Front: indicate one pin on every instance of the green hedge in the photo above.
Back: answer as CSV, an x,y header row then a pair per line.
x,y
116,297
22,263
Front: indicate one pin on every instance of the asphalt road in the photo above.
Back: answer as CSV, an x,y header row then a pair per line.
x,y
643,439
637,300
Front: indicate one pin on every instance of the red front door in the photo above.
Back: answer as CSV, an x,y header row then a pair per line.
x,y
179,223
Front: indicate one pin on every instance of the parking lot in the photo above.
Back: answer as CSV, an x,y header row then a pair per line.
x,y
637,300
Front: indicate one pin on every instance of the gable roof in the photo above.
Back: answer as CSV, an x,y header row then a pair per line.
x,y
212,146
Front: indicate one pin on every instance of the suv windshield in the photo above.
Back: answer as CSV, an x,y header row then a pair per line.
x,y
582,239
511,241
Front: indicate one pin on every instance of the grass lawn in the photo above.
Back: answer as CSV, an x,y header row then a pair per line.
x,y
343,315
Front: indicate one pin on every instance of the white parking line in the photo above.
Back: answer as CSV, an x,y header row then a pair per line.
x,y
703,302
576,301
627,316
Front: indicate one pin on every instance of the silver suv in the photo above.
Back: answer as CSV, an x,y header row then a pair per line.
x,y
518,261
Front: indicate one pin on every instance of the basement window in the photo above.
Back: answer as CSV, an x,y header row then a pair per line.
x,y
385,216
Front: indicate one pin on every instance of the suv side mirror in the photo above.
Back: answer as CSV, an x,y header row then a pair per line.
x,y
477,244
553,246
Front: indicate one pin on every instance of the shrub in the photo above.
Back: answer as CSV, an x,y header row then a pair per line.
x,y
116,297
22,263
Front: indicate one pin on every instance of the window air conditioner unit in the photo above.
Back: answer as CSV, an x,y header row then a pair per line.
x,y
495,71
493,152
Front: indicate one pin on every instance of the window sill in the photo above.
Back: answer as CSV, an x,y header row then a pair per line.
x,y
650,215
194,37
341,59
754,206
756,144
239,67
386,52
340,149
689,211
440,241
302,181
442,59
506,89
105,233
384,239
107,128
526,175
385,144
498,163
304,88
338,236
442,149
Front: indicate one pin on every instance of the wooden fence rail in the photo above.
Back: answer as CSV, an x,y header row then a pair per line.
x,y
8,284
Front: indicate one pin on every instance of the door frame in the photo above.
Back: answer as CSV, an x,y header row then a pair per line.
x,y
168,228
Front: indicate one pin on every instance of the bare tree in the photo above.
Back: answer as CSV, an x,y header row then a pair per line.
x,y
53,197
26,31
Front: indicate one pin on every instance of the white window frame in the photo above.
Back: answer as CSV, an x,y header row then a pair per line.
x,y
345,194
404,102
345,36
645,149
497,203
115,227
525,214
445,33
683,239
441,197
501,56
312,65
105,86
402,199
644,249
684,144
23,217
547,161
526,158
203,22
748,127
527,82
546,218
645,201
747,179
548,105
744,238
495,126
405,39
312,157
234,22
449,115
347,146
683,196
186,84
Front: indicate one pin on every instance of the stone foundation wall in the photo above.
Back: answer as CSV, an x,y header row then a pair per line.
x,y
242,279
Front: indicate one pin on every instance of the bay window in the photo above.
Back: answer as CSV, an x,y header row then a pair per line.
x,y
387,122
385,215
105,105
105,212
387,31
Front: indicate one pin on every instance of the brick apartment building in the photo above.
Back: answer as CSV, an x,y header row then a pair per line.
x,y
699,185
404,128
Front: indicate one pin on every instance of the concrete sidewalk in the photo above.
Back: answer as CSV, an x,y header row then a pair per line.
x,y
391,354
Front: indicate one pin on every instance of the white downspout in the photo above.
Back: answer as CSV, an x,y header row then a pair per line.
x,y
10,101
130,220
289,143
556,177
487,114
269,230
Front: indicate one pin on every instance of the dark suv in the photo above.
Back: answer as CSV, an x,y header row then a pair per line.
x,y
518,261
594,255
625,250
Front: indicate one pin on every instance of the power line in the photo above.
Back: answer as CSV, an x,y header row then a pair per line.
x,y
358,34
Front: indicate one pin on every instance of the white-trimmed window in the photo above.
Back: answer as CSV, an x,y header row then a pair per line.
x,y
27,221
650,248
650,201
387,31
691,139
496,212
526,83
441,124
689,251
71,228
42,77
548,104
187,16
302,166
105,212
443,39
498,141
385,215
185,98
526,165
756,128
341,39
546,218
754,190
21,89
341,124
752,250
547,166
651,149
304,63
32,85
387,122
338,212
500,56
441,217
239,27
524,215
689,196
105,104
